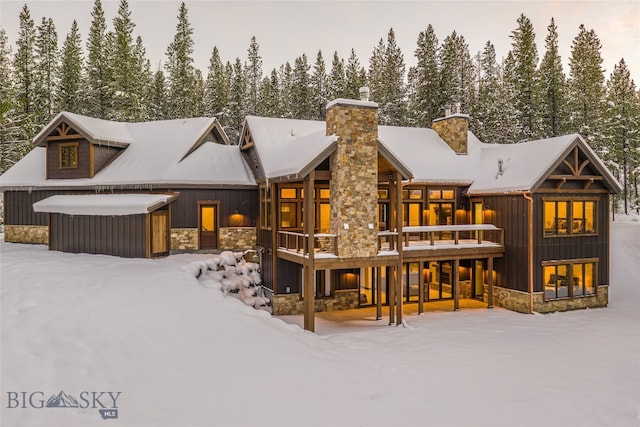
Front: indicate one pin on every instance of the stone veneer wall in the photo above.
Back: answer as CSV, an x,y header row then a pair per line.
x,y
26,234
237,238
454,131
285,304
354,176
184,239
519,301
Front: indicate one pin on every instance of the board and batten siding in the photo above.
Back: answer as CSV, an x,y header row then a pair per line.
x,y
18,207
53,160
123,236
572,247
184,210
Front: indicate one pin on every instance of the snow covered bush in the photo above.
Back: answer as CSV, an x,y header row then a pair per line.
x,y
233,275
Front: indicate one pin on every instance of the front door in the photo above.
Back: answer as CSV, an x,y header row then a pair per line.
x,y
159,232
208,226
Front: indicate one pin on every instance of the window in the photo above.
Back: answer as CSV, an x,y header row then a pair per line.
x,y
569,279
569,217
69,156
265,204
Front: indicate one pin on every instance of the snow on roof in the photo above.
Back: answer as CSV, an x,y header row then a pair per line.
x,y
286,146
152,158
523,164
97,129
102,204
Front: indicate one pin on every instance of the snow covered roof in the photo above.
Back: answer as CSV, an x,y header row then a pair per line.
x,y
168,152
103,204
97,130
288,147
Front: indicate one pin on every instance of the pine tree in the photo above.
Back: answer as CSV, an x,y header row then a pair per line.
x,y
45,72
70,90
336,82
285,76
145,81
355,77
24,63
553,87
622,132
254,76
319,88
525,55
508,128
301,93
180,70
216,90
126,104
456,74
375,76
586,87
426,80
237,107
158,110
97,88
393,110
487,112
270,105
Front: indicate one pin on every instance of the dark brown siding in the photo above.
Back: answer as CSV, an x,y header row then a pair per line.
x,y
184,211
18,207
288,275
103,155
251,157
264,240
53,161
123,236
575,247
511,214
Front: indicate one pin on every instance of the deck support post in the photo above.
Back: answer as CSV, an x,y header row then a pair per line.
x,y
456,284
421,287
490,285
309,265
379,292
399,268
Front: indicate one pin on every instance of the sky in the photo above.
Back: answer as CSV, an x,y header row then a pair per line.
x,y
287,29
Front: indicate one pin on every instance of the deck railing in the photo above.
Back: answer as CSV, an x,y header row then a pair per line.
x,y
414,237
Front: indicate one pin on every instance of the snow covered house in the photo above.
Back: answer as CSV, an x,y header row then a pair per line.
x,y
395,215
131,189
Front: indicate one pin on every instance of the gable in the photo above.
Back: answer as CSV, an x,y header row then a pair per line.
x,y
578,169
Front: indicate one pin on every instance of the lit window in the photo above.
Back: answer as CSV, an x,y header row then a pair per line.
x,y
287,193
569,280
68,156
564,217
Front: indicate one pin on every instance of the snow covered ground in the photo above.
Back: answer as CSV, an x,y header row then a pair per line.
x,y
181,354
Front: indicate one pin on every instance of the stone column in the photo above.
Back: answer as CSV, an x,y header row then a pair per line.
x,y
354,176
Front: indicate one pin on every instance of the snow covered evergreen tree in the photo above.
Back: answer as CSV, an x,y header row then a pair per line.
x,y
97,88
586,87
158,108
237,106
216,89
424,106
336,82
126,103
553,105
285,75
143,90
24,63
301,94
319,88
375,76
456,74
254,76
46,72
525,56
70,90
386,81
270,105
181,82
622,133
355,77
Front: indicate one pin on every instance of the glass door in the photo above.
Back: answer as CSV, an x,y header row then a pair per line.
x,y
208,219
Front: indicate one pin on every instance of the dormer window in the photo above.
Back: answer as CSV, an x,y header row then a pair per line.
x,y
69,155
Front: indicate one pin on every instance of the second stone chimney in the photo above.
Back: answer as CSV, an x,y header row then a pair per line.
x,y
354,175
453,129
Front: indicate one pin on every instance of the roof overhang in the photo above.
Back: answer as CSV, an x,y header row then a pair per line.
x,y
40,138
104,204
394,161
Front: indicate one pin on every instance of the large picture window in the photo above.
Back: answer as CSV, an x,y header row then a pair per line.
x,y
569,279
569,217
68,156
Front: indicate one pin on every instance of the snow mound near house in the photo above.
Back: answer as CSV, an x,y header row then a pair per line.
x,y
232,274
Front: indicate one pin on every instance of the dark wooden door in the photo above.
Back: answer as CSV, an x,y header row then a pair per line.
x,y
208,227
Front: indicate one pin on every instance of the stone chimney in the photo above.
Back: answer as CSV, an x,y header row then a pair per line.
x,y
354,175
453,129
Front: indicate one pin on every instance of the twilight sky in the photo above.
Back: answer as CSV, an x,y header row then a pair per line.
x,y
287,29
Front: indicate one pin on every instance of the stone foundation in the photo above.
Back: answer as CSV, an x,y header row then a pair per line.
x,y
237,238
26,234
184,239
519,301
284,304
